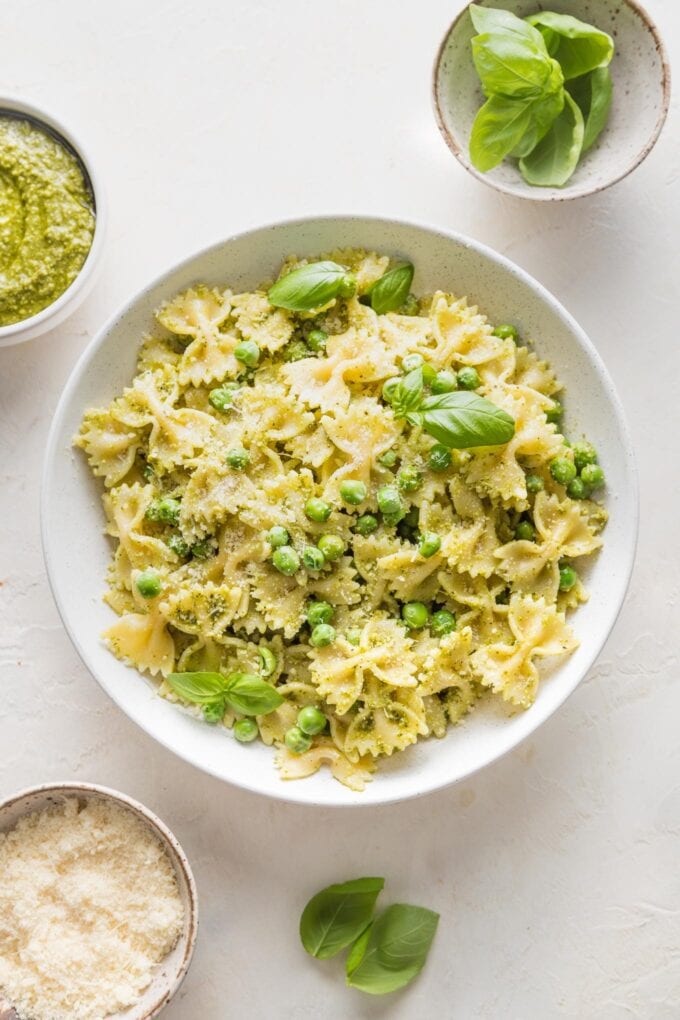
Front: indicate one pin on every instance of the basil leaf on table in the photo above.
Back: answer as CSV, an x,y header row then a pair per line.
x,y
392,289
394,950
509,65
593,94
461,420
356,953
578,47
198,688
311,286
244,692
409,393
554,159
338,915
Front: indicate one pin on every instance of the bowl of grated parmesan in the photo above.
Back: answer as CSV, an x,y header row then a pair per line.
x,y
98,906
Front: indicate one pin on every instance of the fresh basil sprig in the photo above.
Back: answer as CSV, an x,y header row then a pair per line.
x,y
393,950
459,420
338,915
531,113
392,289
244,692
386,952
311,286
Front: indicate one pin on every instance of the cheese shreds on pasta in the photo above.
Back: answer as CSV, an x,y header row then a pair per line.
x,y
309,420
89,904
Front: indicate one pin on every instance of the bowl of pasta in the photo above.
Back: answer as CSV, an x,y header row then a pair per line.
x,y
351,504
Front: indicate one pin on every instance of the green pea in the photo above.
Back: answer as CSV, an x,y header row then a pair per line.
x,y
390,388
178,546
267,661
366,524
439,458
317,340
248,352
214,713
286,560
149,584
442,622
389,501
313,558
296,741
592,475
202,550
410,306
222,398
506,332
563,470
353,491
246,730
317,510
525,531
444,382
412,361
391,520
468,378
429,544
568,577
409,478
534,483
388,459
577,489
554,413
353,635
311,720
348,287
584,453
319,612
238,458
296,350
332,546
277,536
322,635
165,510
415,615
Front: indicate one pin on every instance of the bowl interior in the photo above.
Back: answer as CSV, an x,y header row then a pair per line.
x,y
77,553
641,95
171,971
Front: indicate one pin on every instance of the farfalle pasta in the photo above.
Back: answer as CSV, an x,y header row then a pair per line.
x,y
282,508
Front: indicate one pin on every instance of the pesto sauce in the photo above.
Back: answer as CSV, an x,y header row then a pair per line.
x,y
46,219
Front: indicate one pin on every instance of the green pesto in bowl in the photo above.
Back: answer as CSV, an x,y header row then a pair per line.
x,y
47,218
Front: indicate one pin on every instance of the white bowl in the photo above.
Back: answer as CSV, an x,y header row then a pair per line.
x,y
77,553
75,294
171,971
641,75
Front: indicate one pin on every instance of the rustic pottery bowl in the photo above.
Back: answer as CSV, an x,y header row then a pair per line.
x,y
641,76
170,973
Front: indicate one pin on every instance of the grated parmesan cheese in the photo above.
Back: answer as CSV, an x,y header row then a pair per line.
x,y
89,904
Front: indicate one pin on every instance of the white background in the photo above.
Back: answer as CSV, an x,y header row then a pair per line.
x,y
556,871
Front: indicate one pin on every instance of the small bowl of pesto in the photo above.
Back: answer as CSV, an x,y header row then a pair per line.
x,y
52,219
551,101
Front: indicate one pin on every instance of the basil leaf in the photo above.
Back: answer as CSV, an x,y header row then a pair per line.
x,y
356,953
198,688
543,114
593,94
462,420
554,159
311,286
396,949
492,19
392,289
509,65
338,915
498,128
578,47
409,393
250,695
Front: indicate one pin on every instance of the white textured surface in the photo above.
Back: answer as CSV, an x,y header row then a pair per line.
x,y
556,871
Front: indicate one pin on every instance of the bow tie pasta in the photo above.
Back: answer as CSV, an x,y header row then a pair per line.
x,y
279,521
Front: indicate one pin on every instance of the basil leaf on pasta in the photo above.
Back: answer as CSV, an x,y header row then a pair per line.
x,y
462,420
250,695
198,688
311,286
338,915
409,392
392,289
394,950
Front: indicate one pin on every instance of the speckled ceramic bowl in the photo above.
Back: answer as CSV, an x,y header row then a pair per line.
x,y
641,75
75,294
170,973
77,552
